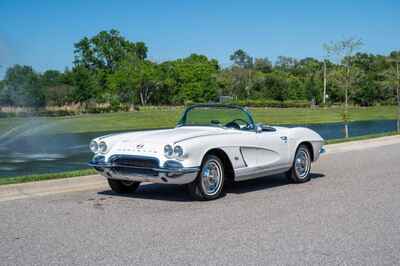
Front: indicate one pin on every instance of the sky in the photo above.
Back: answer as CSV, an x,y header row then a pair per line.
x,y
42,33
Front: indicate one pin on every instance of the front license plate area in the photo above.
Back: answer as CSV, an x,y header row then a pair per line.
x,y
143,173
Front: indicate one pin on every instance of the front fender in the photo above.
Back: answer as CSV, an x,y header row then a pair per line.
x,y
196,151
300,135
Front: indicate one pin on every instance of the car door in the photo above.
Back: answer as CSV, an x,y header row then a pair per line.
x,y
274,149
264,153
264,149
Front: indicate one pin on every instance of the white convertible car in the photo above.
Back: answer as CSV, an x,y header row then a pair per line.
x,y
210,145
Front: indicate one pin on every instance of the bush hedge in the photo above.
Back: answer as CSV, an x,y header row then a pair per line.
x,y
38,113
272,103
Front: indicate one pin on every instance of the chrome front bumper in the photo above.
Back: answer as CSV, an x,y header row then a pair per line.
x,y
183,175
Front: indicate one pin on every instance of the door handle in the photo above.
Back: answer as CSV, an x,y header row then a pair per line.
x,y
284,138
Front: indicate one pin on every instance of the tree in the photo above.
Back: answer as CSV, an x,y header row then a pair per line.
x,y
148,80
308,70
338,81
21,87
56,91
109,68
225,83
343,51
106,49
3,95
58,95
286,63
122,82
195,78
51,78
263,65
241,59
169,83
86,86
371,89
98,58
275,86
241,81
242,70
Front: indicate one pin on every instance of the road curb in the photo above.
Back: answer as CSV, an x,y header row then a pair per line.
x,y
49,187
361,144
97,182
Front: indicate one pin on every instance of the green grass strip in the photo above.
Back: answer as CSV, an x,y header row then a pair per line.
x,y
32,178
364,137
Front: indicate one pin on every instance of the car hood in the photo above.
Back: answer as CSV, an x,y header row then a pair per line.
x,y
174,135
154,140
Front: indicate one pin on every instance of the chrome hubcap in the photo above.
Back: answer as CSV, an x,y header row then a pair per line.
x,y
302,164
211,177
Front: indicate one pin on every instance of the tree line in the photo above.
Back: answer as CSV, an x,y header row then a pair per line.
x,y
109,69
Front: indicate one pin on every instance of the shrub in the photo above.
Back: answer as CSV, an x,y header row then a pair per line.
x,y
38,113
271,103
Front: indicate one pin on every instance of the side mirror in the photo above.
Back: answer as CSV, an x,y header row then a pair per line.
x,y
264,128
259,128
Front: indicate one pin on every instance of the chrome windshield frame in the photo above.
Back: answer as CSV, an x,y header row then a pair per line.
x,y
182,120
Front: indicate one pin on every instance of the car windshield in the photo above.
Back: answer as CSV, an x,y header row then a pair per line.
x,y
222,116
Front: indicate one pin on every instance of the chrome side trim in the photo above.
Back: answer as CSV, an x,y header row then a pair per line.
x,y
241,153
206,135
256,172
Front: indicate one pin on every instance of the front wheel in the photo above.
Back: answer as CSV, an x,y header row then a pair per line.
x,y
122,186
210,181
300,171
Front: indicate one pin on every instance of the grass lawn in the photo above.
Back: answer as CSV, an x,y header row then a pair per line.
x,y
32,178
162,117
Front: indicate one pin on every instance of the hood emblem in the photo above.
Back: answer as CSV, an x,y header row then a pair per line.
x,y
139,146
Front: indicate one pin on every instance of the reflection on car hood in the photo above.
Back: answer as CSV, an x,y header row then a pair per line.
x,y
170,136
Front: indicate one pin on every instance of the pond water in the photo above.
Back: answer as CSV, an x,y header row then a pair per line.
x,y
39,154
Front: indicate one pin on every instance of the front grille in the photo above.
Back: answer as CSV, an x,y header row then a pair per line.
x,y
135,161
125,165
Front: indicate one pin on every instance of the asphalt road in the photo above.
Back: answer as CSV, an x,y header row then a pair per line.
x,y
349,214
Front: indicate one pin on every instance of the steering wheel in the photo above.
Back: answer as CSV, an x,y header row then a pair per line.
x,y
235,125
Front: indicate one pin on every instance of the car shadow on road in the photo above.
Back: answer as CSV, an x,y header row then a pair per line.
x,y
155,192
267,182
178,193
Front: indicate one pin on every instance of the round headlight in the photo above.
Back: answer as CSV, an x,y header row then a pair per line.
x,y
168,151
94,147
102,147
178,151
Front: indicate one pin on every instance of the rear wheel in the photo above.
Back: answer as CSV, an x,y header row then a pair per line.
x,y
122,186
300,171
210,181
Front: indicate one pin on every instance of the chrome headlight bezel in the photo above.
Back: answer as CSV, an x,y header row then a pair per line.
x,y
168,151
94,146
178,152
102,147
